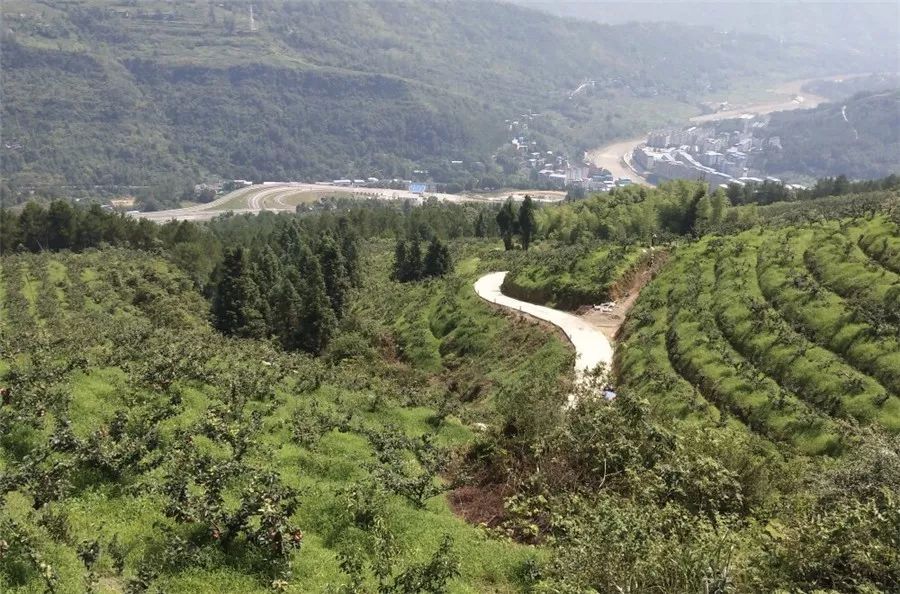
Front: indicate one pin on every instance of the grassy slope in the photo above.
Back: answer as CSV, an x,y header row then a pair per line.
x,y
94,309
570,277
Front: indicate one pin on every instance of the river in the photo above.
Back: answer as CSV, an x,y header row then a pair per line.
x,y
785,96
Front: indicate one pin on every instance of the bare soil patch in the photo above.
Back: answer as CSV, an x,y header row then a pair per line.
x,y
624,293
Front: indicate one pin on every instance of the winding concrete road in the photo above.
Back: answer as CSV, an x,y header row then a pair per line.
x,y
592,348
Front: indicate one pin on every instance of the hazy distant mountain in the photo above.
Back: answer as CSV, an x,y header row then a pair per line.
x,y
866,28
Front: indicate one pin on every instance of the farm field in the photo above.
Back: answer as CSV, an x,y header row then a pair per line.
x,y
788,332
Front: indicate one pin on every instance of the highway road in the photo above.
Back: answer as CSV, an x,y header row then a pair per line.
x,y
592,348
258,199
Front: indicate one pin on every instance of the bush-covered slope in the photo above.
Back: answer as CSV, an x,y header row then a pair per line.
x,y
569,277
859,138
108,93
138,448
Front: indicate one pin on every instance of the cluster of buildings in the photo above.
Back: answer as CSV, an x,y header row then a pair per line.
x,y
721,153
585,175
554,170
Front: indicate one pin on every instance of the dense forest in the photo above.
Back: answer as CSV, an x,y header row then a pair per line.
x,y
151,97
158,433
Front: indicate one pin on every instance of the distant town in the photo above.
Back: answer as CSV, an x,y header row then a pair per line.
x,y
720,152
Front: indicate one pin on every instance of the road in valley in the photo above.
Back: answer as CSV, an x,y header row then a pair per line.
x,y
592,348
258,195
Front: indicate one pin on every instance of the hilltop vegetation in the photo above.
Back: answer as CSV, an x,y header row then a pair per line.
x,y
858,137
160,94
755,374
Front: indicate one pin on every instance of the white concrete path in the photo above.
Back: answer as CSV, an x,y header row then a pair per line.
x,y
591,346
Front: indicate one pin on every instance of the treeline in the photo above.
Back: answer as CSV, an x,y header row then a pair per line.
x,y
61,226
769,192
639,214
293,288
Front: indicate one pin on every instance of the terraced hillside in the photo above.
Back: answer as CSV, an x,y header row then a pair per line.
x,y
788,332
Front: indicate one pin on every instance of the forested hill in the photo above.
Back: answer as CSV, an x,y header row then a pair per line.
x,y
859,138
145,93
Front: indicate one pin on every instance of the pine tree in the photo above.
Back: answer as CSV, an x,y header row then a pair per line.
x,y
703,211
267,274
287,307
480,227
719,206
317,321
350,250
334,273
414,261
236,305
33,223
437,259
506,221
527,222
61,225
400,268
291,244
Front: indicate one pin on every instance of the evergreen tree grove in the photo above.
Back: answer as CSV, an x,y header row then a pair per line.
x,y
409,264
237,302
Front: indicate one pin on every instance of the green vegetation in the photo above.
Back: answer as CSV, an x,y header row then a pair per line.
x,y
410,265
134,431
747,322
880,239
640,214
567,277
754,444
